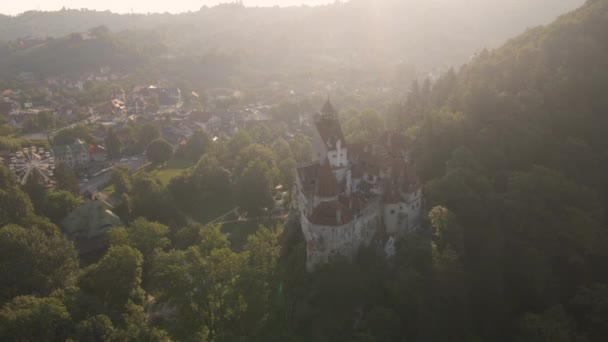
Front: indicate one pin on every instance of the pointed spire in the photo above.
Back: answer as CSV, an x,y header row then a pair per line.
x,y
328,109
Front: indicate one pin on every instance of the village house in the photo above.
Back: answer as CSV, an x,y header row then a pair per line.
x,y
97,153
75,155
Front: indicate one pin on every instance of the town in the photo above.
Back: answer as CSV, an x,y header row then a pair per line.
x,y
92,126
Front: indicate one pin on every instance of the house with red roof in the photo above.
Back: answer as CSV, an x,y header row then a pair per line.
x,y
98,153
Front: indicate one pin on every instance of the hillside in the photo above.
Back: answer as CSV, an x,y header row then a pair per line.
x,y
514,146
423,33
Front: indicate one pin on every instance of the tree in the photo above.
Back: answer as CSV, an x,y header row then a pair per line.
x,y
150,199
113,144
197,145
15,205
67,136
255,152
591,304
201,192
301,148
58,204
95,328
203,288
446,231
254,189
65,179
34,262
366,127
46,120
115,280
135,326
35,189
143,235
552,325
121,180
27,318
147,134
159,152
259,278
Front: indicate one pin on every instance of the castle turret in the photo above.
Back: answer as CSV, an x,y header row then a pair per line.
x,y
328,110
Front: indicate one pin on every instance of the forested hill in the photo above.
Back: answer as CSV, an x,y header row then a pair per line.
x,y
514,145
82,53
420,32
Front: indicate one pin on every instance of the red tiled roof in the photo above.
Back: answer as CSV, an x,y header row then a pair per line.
x,y
327,186
391,194
353,202
318,179
96,149
331,213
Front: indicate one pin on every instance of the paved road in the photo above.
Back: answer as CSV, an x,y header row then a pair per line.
x,y
132,163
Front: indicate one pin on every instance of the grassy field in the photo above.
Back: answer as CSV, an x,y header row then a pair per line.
x,y
173,168
109,190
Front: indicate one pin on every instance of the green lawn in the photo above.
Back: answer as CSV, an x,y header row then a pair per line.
x,y
109,190
173,168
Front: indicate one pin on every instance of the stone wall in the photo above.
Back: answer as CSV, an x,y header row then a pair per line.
x,y
325,242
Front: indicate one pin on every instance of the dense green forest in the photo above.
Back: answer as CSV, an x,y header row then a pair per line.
x,y
512,151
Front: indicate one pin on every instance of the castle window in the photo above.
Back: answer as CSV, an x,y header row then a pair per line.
x,y
393,212
412,207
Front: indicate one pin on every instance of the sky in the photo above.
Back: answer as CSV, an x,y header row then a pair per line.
x,y
13,7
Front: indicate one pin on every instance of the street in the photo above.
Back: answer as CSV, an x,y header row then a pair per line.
x,y
132,163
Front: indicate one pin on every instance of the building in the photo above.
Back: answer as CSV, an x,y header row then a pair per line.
x,y
97,153
8,107
113,108
88,225
166,96
74,155
351,196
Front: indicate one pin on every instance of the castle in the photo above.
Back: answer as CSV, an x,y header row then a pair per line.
x,y
352,195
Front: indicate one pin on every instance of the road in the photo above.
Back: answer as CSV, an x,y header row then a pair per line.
x,y
132,163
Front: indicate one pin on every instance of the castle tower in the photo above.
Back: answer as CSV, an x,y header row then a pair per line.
x,y
328,141
328,110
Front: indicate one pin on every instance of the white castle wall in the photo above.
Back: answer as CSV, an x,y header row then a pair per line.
x,y
401,218
325,242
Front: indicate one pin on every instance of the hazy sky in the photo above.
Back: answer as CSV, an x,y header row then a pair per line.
x,y
141,6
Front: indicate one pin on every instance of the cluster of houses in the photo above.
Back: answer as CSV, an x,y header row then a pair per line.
x,y
79,154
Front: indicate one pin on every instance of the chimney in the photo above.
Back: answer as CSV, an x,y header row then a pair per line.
x,y
339,216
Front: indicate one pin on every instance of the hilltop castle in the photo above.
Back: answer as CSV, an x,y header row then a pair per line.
x,y
353,195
